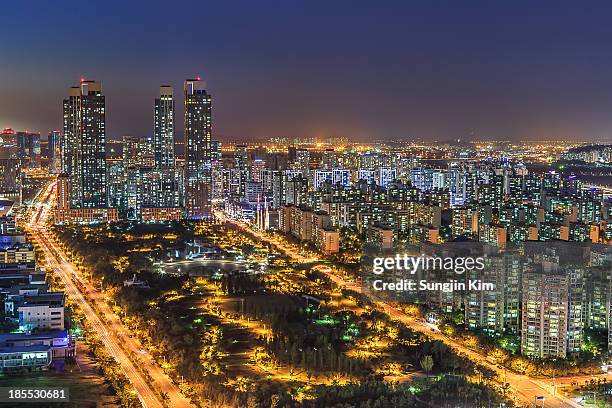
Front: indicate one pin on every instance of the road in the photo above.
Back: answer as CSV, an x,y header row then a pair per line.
x,y
524,387
111,330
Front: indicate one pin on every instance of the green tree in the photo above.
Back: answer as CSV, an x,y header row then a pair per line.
x,y
427,363
121,264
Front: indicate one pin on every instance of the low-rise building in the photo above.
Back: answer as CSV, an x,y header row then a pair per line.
x,y
43,311
17,253
59,342
24,358
86,215
161,214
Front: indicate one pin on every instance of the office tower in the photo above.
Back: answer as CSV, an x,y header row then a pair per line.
x,y
198,129
28,149
267,178
439,180
163,137
169,190
545,296
84,156
254,193
236,182
54,151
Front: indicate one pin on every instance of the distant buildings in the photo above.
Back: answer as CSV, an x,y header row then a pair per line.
x,y
18,151
386,202
54,151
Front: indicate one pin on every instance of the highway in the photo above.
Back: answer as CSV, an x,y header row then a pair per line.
x,y
110,329
523,387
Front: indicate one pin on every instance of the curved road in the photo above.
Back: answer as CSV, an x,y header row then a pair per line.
x,y
524,387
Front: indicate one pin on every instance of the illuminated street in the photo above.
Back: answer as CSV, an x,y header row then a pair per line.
x,y
110,329
526,389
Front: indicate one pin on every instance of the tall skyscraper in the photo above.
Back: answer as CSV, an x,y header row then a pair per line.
x,y
198,130
163,138
84,144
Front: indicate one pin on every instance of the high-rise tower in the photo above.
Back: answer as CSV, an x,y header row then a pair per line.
x,y
163,139
84,144
198,157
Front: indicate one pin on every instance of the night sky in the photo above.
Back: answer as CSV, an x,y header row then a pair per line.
x,y
364,70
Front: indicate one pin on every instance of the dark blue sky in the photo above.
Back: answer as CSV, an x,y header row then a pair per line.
x,y
429,69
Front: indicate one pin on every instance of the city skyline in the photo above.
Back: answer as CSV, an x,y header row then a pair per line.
x,y
419,71
306,204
